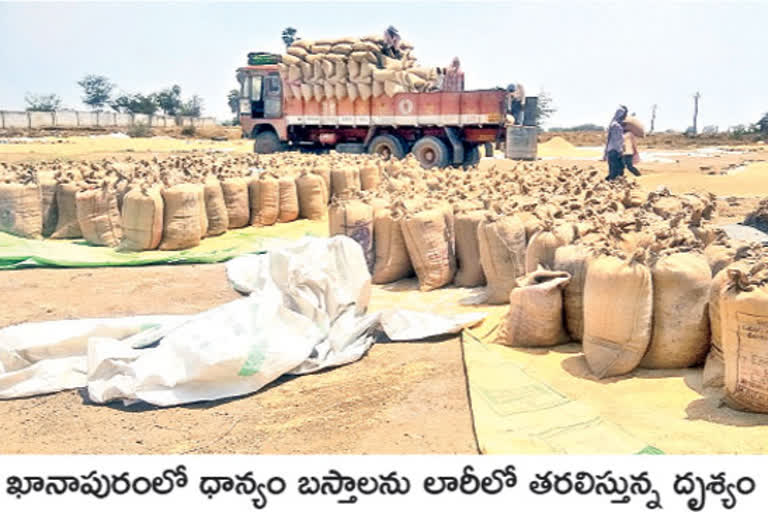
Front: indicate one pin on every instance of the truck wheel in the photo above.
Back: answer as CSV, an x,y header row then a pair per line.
x,y
387,146
431,152
471,155
265,143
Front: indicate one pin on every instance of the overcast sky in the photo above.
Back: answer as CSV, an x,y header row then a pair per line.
x,y
589,56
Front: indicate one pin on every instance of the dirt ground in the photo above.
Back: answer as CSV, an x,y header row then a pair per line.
x,y
400,398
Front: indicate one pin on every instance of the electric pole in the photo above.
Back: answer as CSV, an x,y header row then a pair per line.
x,y
696,111
653,118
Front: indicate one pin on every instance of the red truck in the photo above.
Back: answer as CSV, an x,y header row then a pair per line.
x,y
439,128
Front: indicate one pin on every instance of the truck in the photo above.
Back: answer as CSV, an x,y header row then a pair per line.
x,y
439,128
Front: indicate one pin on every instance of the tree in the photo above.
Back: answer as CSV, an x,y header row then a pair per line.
x,y
169,100
97,90
42,102
233,100
136,103
544,108
289,36
192,107
762,124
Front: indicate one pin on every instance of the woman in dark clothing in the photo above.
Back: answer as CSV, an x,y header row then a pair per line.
x,y
614,146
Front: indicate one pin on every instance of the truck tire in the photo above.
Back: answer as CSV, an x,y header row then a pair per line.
x,y
431,152
471,155
387,146
266,142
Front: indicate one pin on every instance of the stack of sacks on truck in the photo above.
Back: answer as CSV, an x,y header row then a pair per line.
x,y
351,68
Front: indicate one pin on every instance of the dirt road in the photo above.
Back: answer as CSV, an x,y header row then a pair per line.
x,y
400,398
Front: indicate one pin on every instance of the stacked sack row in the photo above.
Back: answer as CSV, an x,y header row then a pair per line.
x,y
167,204
642,280
351,68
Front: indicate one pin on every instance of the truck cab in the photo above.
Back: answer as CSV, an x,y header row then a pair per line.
x,y
261,107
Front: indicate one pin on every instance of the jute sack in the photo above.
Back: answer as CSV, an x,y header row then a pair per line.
x,y
714,367
67,225
236,199
501,242
744,313
531,222
203,213
542,247
719,256
48,205
470,272
181,217
680,335
142,218
312,200
428,239
392,261
618,306
289,200
355,220
268,201
573,259
99,217
324,172
346,179
215,207
20,210
535,315
254,195
370,176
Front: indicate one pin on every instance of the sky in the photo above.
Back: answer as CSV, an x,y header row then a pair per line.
x,y
588,56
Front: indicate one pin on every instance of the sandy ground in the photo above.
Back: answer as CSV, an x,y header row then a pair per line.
x,y
400,398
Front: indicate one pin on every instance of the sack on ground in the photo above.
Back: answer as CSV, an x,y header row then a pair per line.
x,y
20,210
680,334
142,219
99,217
501,242
618,306
429,243
181,217
535,315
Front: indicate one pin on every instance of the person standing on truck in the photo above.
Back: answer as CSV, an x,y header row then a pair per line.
x,y
392,43
454,78
614,145
631,155
516,102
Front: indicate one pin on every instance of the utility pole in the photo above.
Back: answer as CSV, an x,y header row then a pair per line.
x,y
696,110
653,118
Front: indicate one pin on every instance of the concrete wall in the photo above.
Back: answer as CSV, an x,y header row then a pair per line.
x,y
105,119
123,120
74,119
66,119
15,120
87,119
41,120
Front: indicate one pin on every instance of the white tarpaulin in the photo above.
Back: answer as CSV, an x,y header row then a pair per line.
x,y
306,311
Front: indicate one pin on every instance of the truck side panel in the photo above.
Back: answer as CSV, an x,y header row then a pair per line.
x,y
383,110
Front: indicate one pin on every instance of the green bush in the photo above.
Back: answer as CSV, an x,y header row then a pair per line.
x,y
188,131
139,130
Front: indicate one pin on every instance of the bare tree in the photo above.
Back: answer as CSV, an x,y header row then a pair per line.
x,y
696,110
653,118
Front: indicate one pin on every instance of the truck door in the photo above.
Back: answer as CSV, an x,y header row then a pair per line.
x,y
273,96
254,93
